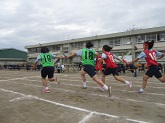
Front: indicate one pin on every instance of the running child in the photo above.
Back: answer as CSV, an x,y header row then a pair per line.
x,y
111,66
47,67
150,56
88,55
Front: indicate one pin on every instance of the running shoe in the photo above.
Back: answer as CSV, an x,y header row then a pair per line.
x,y
130,85
140,91
110,91
46,91
83,87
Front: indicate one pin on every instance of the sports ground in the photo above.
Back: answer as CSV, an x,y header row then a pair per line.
x,y
22,100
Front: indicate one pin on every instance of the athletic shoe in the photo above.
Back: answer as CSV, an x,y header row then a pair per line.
x,y
109,91
130,85
140,91
83,87
46,91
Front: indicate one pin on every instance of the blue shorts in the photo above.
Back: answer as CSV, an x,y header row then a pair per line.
x,y
109,71
153,71
47,71
90,70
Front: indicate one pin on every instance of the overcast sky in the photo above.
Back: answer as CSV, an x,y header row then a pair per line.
x,y
29,22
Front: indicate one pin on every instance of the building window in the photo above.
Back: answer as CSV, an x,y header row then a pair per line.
x,y
117,42
140,39
38,50
65,49
111,42
161,37
103,42
32,50
151,37
77,45
56,48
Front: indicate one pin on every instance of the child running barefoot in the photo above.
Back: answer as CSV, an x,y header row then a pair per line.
x,y
88,55
47,67
150,55
111,66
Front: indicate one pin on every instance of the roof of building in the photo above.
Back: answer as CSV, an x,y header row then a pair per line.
x,y
105,36
11,53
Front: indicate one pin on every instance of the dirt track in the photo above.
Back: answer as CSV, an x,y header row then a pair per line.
x,y
22,100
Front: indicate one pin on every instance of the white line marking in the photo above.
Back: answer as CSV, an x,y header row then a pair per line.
x,y
136,120
60,104
71,107
112,98
112,83
86,118
114,89
20,98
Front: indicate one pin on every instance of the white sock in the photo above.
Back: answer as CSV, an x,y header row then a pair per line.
x,y
105,87
46,88
84,84
127,82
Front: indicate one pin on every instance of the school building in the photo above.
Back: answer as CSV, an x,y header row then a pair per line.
x,y
127,43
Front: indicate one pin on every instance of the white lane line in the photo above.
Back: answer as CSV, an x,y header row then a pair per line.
x,y
86,118
19,78
156,94
114,89
136,79
21,98
72,107
113,83
110,83
112,98
60,104
137,121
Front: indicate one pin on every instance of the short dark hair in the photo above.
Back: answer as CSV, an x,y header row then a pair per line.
x,y
89,44
150,44
44,50
107,48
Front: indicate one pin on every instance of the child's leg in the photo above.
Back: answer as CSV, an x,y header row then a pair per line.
x,y
44,83
97,80
162,79
52,79
82,73
103,78
51,75
118,78
145,78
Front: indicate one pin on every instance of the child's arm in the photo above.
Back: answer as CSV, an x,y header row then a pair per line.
x,y
59,57
161,56
135,60
120,60
97,54
71,55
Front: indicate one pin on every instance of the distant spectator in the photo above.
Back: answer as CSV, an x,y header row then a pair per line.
x,y
62,68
